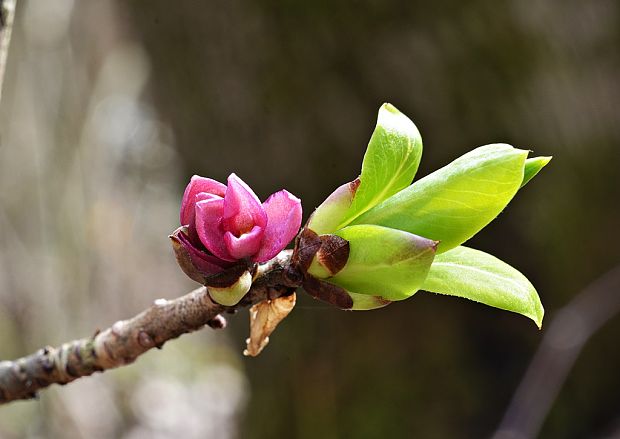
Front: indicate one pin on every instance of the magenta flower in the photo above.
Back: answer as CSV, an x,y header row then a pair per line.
x,y
223,224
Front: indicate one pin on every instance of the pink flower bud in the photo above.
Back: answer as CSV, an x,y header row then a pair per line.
x,y
223,224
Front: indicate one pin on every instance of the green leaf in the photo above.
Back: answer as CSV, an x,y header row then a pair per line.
x,y
326,218
478,276
383,262
453,203
533,167
390,162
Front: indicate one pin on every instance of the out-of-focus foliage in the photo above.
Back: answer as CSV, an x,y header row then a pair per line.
x,y
110,106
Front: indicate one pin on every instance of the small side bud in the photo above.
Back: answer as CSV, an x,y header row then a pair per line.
x,y
231,295
217,322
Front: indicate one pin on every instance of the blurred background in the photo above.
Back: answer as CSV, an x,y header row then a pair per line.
x,y
110,106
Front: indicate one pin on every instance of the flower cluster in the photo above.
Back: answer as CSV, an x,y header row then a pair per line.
x,y
226,226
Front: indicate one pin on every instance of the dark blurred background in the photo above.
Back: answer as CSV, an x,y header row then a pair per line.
x,y
110,106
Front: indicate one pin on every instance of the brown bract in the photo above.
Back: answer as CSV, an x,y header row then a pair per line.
x,y
335,251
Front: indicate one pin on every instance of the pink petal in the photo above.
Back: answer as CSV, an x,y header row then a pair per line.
x,y
245,245
242,208
284,219
205,263
196,185
209,228
191,227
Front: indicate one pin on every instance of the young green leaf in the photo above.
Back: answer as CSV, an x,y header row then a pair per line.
x,y
533,167
327,217
382,262
453,203
390,162
478,276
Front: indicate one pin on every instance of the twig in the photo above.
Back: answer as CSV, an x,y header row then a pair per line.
x,y
126,340
568,333
7,13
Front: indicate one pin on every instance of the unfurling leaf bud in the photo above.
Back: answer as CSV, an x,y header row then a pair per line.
x,y
394,230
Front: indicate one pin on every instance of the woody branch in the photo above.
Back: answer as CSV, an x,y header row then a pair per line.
x,y
123,342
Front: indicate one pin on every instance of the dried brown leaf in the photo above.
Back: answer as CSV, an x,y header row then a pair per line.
x,y
264,317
